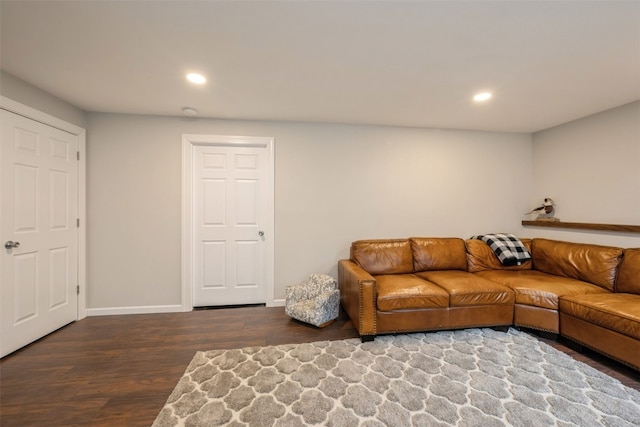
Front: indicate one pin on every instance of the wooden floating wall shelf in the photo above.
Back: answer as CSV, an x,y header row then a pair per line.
x,y
584,226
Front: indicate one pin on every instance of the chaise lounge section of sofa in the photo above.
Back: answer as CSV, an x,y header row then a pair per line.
x,y
423,284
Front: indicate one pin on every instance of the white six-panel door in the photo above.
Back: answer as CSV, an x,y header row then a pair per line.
x,y
39,195
229,218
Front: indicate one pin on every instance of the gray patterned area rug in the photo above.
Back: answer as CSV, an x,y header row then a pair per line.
x,y
473,377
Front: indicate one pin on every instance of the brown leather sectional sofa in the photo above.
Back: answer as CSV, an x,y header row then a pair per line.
x,y
588,293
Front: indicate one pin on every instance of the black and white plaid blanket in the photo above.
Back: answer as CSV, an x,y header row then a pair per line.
x,y
507,247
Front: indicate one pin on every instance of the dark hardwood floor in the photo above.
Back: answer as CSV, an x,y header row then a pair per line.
x,y
119,370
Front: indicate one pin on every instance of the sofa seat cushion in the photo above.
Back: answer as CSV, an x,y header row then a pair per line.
x,y
466,289
618,312
407,291
540,289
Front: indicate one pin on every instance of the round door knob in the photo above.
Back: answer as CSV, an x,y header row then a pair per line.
x,y
261,233
11,245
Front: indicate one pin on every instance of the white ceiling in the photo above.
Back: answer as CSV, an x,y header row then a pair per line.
x,y
404,63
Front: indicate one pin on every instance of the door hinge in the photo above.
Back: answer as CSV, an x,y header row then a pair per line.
x,y
77,222
78,290
78,155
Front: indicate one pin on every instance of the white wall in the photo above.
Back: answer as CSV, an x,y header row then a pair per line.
x,y
334,184
591,168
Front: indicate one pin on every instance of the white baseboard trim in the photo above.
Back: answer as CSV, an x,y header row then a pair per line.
x,y
151,309
154,309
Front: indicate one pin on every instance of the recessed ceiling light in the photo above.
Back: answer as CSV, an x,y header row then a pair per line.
x,y
482,96
196,78
189,111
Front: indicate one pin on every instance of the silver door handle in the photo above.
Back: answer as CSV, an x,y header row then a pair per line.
x,y
11,245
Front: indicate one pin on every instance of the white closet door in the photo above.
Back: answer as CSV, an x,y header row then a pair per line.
x,y
39,234
229,213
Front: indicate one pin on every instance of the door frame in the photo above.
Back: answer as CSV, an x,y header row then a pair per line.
x,y
188,142
49,120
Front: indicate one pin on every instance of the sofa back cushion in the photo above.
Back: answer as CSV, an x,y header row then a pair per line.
x,y
590,263
388,256
438,253
629,274
480,257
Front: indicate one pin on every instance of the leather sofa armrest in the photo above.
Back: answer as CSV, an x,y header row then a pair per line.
x,y
358,296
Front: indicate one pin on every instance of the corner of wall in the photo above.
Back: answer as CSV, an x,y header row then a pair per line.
x,y
25,93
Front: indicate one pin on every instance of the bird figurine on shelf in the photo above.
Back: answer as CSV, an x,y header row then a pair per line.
x,y
546,212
